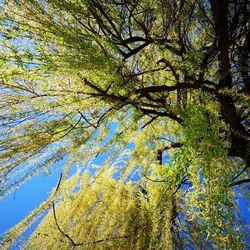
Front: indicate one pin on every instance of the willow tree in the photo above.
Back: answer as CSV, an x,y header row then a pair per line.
x,y
160,88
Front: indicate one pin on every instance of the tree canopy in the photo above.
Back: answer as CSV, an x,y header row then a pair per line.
x,y
160,88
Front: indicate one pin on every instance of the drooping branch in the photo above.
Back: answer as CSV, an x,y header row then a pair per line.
x,y
59,228
73,243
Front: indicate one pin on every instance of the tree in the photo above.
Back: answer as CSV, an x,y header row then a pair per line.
x,y
172,76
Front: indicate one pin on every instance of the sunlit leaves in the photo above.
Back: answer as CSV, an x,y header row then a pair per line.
x,y
137,82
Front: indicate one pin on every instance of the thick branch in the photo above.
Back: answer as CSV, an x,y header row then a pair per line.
x,y
239,143
135,39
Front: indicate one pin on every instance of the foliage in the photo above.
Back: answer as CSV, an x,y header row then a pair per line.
x,y
171,76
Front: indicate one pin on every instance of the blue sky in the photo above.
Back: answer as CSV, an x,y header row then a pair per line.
x,y
19,204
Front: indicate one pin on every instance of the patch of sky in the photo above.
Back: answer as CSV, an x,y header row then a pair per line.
x,y
24,237
19,204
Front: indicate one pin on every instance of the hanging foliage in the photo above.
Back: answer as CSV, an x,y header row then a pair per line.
x,y
172,77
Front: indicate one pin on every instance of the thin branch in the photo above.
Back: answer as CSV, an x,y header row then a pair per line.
x,y
91,124
169,65
150,178
80,244
108,18
151,120
59,182
103,115
111,238
151,111
239,182
73,127
67,235
240,173
183,180
61,231
136,50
